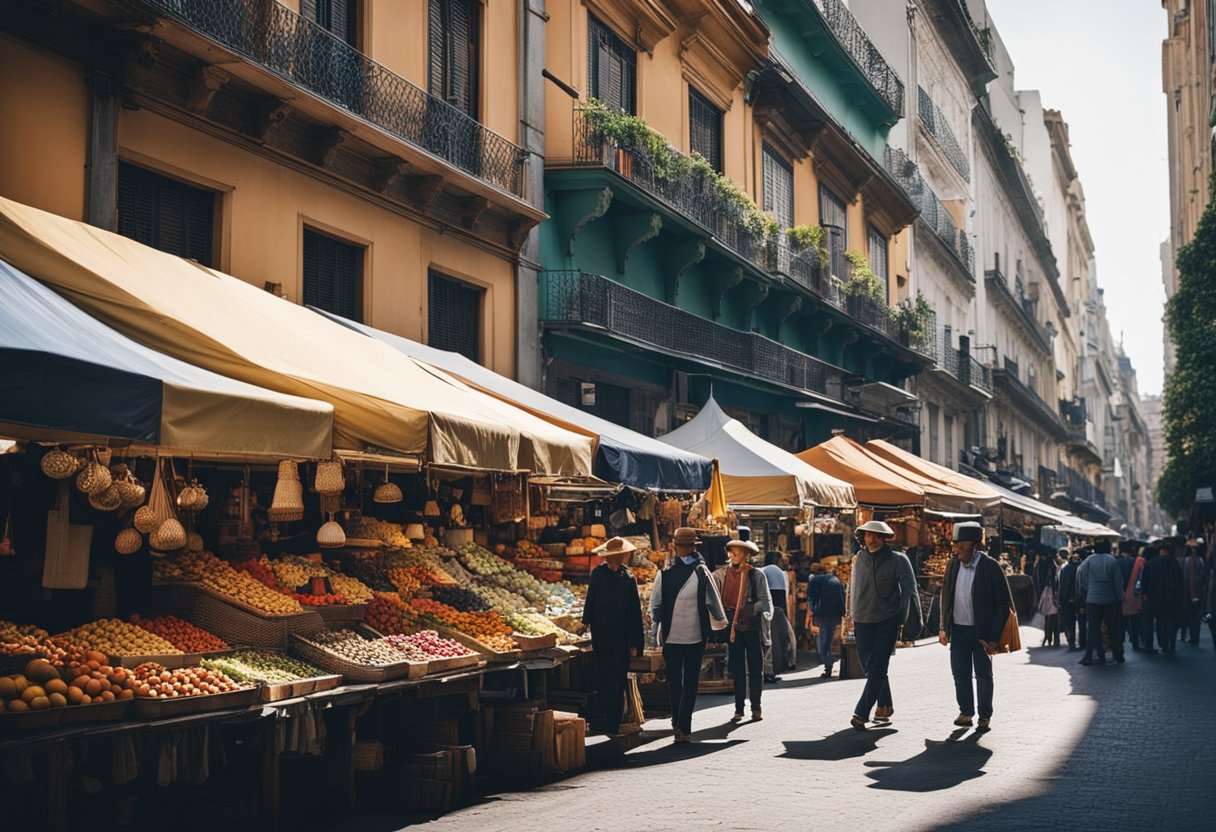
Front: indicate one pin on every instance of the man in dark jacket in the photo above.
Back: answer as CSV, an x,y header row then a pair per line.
x,y
613,611
975,604
1164,588
685,606
825,609
1068,598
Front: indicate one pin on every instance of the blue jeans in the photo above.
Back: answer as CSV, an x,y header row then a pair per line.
x,y
968,658
875,644
823,641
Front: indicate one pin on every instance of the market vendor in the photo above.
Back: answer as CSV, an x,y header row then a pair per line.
x,y
613,611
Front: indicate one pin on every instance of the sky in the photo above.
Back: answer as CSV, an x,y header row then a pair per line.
x,y
1099,63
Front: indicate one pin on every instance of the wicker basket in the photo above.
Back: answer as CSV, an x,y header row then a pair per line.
x,y
59,464
324,659
329,479
128,542
236,625
108,499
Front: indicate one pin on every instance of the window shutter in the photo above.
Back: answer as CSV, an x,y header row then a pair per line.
x,y
435,44
612,66
705,128
308,10
461,55
878,255
333,275
454,316
165,214
778,188
340,19
833,217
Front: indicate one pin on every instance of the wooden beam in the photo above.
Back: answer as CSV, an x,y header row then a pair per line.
x,y
203,85
424,190
328,144
269,115
387,173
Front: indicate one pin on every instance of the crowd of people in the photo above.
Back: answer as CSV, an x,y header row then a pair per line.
x,y
1145,595
1139,593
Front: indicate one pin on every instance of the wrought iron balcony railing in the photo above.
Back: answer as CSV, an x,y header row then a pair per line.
x,y
962,366
938,128
877,72
939,220
996,283
1048,418
904,171
1079,487
301,52
803,266
578,298
691,195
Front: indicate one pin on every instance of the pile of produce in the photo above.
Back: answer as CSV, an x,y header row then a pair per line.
x,y
407,579
25,641
430,645
350,588
114,637
487,627
460,599
373,529
219,576
262,666
43,686
409,651
355,648
535,624
154,681
187,566
371,569
500,599
293,575
388,614
181,634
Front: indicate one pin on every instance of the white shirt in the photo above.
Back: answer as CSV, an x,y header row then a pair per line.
x,y
686,615
964,611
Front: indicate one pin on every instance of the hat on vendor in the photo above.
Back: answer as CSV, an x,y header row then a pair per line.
x,y
877,527
743,544
685,536
614,546
968,530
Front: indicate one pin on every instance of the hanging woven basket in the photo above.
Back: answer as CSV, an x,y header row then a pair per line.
x,y
108,499
387,491
94,479
288,503
194,542
330,535
59,464
289,469
145,519
329,479
128,542
169,535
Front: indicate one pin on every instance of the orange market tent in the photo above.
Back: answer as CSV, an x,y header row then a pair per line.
x,y
757,473
873,482
382,400
932,475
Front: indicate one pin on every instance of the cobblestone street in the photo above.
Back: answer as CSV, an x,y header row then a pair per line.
x,y
1114,747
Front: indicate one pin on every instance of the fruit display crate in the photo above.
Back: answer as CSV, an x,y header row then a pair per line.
x,y
172,661
528,643
105,712
435,666
338,613
494,656
236,625
351,671
278,691
158,708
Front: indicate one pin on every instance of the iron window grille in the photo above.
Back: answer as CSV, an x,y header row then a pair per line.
x,y
778,188
166,214
833,216
705,129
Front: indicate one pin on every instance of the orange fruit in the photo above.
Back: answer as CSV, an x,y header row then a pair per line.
x,y
108,696
58,700
40,703
18,705
75,695
8,687
93,688
40,670
32,692
126,694
57,686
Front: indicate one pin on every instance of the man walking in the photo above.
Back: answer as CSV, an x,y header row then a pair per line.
x,y
613,611
825,609
883,593
975,604
1133,604
1164,590
1195,573
685,606
1100,582
1067,598
1126,563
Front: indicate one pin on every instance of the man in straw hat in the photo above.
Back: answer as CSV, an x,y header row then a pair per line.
x,y
613,611
882,593
745,595
975,604
685,606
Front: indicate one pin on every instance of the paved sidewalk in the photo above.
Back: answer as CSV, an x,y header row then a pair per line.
x,y
1129,746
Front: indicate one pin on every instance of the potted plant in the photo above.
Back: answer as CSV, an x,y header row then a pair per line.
x,y
913,316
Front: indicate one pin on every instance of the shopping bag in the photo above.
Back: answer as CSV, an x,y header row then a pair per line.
x,y
1011,639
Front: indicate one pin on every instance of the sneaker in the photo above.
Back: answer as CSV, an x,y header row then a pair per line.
x,y
858,723
963,721
757,714
738,717
884,714
680,737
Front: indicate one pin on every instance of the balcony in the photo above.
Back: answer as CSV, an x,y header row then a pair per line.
x,y
1082,434
858,46
935,124
1006,379
311,59
1017,307
578,299
936,218
665,176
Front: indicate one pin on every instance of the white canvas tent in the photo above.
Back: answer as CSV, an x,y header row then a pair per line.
x,y
757,473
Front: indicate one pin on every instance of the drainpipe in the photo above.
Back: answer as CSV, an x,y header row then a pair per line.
x,y
532,19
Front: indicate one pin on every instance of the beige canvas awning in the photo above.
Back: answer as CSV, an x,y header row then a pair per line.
x,y
381,398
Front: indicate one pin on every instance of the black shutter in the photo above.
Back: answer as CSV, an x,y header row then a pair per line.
x,y
435,44
705,128
778,188
612,66
833,217
454,316
878,255
452,27
333,275
165,214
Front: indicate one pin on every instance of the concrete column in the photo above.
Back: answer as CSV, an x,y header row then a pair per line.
x,y
101,159
532,138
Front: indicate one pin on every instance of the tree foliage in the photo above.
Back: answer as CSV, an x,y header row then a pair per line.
x,y
1190,391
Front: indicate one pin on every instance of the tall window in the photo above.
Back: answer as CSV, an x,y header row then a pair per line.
x,y
834,218
454,316
336,16
165,214
878,255
932,410
705,128
950,461
333,275
453,37
778,188
612,67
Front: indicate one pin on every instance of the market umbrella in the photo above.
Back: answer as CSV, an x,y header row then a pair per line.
x,y
381,399
64,374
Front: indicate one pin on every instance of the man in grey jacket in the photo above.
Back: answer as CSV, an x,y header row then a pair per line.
x,y
975,604
1100,584
882,591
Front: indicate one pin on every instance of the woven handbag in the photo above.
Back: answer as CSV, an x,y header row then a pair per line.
x,y
67,547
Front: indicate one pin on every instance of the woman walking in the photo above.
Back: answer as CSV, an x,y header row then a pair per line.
x,y
744,592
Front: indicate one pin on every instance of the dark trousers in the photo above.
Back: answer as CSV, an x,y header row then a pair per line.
x,y
745,658
683,674
1068,622
1167,631
1095,616
1131,626
1192,617
611,675
1212,627
1147,628
823,641
1082,626
967,659
1051,630
875,644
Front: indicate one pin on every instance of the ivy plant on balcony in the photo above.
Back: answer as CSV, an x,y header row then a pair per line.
x,y
861,280
629,132
808,237
914,316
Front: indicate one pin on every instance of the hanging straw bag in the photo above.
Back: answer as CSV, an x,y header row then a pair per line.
x,y
58,464
169,532
329,478
67,547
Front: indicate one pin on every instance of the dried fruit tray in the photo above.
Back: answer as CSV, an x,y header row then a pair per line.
x,y
149,708
324,659
486,650
249,608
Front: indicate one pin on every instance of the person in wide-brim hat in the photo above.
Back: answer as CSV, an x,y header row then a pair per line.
x,y
743,544
685,536
613,611
877,527
614,546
